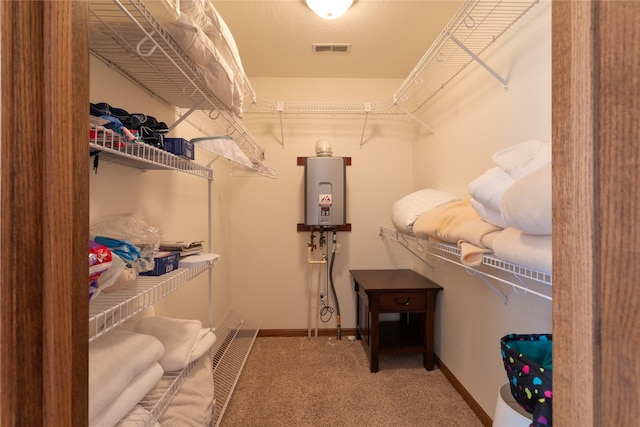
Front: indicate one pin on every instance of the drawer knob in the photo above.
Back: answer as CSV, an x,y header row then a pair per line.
x,y
405,302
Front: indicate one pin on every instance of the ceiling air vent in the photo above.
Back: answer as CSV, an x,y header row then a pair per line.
x,y
331,47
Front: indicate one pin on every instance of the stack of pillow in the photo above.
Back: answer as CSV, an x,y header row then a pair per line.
x,y
516,195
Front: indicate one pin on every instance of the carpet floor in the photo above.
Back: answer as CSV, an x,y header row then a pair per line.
x,y
326,382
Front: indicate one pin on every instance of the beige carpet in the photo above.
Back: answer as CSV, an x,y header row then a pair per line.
x,y
326,382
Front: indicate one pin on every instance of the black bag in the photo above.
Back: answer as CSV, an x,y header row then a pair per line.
x,y
528,363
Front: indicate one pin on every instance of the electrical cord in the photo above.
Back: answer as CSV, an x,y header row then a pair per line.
x,y
326,311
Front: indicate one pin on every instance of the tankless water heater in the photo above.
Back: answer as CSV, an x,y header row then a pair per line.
x,y
324,191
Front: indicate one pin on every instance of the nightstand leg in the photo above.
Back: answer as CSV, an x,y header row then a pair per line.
x,y
375,339
429,327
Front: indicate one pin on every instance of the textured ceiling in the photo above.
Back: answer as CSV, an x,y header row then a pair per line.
x,y
387,38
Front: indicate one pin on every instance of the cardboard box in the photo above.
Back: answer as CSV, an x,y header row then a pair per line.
x,y
180,147
164,262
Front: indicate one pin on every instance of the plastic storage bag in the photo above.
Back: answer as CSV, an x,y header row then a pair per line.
x,y
130,238
528,363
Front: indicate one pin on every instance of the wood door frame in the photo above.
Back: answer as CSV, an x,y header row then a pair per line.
x,y
596,213
44,208
45,213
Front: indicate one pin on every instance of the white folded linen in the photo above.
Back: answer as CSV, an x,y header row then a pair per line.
x,y
406,210
524,158
489,187
527,204
203,14
114,360
491,216
183,340
528,250
128,398
193,406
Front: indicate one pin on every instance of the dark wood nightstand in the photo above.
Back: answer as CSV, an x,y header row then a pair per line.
x,y
405,292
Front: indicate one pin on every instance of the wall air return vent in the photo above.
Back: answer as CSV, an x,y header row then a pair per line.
x,y
331,47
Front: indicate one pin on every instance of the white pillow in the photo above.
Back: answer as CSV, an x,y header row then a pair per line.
x,y
489,187
406,210
492,216
522,159
526,205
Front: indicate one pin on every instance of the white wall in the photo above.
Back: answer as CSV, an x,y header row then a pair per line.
x,y
268,255
472,119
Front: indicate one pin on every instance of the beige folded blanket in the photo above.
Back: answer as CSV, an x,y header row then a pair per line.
x,y
455,222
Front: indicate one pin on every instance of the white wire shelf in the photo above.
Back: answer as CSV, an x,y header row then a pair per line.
x,y
235,338
451,253
140,155
109,310
125,36
473,29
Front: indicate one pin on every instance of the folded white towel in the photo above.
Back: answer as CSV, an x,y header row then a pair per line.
x,y
182,339
129,397
114,360
492,216
524,158
489,187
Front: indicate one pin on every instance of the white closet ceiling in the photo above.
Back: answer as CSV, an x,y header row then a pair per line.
x,y
387,38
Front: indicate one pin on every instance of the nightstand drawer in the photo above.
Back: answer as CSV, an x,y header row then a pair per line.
x,y
402,301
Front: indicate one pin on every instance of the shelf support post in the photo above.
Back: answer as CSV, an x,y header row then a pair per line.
x,y
184,116
421,123
280,108
479,61
367,110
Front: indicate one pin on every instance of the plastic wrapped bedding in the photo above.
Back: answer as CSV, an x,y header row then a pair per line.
x,y
206,39
406,210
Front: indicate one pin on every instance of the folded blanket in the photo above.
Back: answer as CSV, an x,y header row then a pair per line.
x,y
471,255
526,205
193,406
524,158
183,340
489,187
115,359
527,250
454,222
128,398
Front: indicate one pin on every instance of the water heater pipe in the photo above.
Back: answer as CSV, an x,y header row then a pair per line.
x,y
333,289
313,296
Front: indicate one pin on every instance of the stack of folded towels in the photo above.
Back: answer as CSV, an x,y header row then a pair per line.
x,y
516,196
128,362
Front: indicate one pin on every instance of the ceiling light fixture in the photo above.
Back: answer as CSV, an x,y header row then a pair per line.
x,y
329,9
